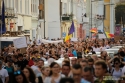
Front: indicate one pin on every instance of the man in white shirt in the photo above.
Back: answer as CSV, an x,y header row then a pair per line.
x,y
3,74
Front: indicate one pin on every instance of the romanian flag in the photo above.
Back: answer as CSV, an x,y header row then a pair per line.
x,y
72,29
109,35
67,38
94,30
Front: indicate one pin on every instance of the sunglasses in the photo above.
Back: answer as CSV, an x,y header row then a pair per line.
x,y
17,72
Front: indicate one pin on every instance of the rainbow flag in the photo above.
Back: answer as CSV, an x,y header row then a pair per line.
x,y
109,35
94,30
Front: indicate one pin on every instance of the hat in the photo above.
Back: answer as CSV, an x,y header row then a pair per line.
x,y
1,62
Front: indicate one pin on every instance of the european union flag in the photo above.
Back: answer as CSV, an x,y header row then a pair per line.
x,y
3,27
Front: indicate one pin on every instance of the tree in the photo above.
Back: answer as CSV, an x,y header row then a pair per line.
x,y
120,14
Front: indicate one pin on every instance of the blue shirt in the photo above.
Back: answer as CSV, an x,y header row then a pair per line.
x,y
74,53
84,81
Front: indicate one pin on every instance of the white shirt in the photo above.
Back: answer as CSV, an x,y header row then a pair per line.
x,y
107,46
96,49
3,74
34,67
48,79
116,74
102,48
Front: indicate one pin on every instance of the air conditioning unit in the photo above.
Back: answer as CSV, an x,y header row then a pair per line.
x,y
65,18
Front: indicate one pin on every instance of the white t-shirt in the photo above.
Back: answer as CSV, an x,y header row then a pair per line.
x,y
96,49
102,48
48,79
34,67
116,74
3,74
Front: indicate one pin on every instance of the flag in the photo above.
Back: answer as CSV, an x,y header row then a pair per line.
x,y
3,27
109,35
72,29
67,38
94,30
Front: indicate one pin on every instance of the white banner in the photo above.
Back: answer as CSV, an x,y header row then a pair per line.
x,y
74,39
101,36
20,42
55,42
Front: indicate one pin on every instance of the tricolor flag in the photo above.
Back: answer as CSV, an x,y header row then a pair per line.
x,y
67,38
109,35
72,29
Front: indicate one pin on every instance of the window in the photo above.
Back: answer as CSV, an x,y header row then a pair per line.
x,y
28,7
31,6
65,9
20,6
5,1
16,5
12,3
8,5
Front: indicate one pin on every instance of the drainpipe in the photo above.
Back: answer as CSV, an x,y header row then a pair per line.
x,y
44,21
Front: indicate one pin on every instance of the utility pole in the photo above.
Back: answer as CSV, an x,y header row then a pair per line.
x,y
91,19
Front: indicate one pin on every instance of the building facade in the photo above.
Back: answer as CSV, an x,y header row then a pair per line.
x,y
34,18
18,17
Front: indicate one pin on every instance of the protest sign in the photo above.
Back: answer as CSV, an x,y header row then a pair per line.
x,y
20,42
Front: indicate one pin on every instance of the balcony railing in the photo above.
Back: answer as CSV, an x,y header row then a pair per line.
x,y
9,13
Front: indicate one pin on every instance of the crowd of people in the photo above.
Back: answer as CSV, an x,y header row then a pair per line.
x,y
29,67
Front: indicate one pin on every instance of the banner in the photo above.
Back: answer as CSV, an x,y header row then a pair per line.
x,y
47,41
20,42
117,30
101,36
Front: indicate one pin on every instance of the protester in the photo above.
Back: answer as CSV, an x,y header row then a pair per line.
x,y
48,63
19,77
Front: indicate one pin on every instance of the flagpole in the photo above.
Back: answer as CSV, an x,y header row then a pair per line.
x,y
0,33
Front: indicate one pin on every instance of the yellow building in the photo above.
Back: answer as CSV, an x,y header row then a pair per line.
x,y
107,16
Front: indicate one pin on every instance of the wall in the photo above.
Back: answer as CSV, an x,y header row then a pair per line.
x,y
52,16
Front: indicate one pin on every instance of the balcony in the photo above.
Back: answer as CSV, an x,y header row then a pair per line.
x,y
9,13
